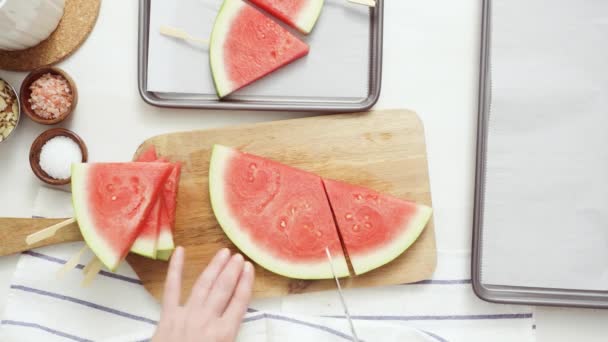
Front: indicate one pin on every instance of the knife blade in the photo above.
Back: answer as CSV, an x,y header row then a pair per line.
x,y
350,321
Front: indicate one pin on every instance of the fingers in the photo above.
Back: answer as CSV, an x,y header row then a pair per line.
x,y
242,295
224,286
203,283
173,283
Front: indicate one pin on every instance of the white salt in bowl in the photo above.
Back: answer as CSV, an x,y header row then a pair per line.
x,y
39,144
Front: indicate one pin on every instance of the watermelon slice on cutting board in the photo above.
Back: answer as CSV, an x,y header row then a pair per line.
x,y
111,202
165,245
146,241
275,214
246,45
374,228
300,14
283,218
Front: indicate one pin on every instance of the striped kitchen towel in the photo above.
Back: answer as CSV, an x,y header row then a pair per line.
x,y
42,307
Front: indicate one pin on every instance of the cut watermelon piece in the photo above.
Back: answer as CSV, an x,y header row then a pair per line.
x,y
167,220
111,201
300,14
246,45
277,215
146,241
374,228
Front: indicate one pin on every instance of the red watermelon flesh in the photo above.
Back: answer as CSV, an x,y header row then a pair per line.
x,y
277,215
300,14
146,241
246,45
148,155
375,228
111,202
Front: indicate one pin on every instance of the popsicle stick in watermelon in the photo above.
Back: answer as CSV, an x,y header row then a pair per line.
x,y
368,3
90,271
72,262
111,202
178,33
247,45
48,232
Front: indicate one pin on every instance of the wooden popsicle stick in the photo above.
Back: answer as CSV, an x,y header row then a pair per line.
x,y
47,232
175,32
90,273
369,3
72,262
88,266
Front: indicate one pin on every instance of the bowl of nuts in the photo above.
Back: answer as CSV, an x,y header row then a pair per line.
x,y
10,110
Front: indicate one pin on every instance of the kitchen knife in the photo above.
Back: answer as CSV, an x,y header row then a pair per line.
x,y
350,321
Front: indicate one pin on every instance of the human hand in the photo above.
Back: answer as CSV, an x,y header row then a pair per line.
x,y
217,302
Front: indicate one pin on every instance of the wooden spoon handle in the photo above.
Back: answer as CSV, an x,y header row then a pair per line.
x,y
13,232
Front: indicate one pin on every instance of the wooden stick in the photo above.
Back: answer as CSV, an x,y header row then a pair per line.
x,y
93,268
369,3
47,232
72,262
88,266
181,34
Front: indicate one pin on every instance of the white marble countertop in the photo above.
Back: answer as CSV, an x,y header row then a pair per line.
x,y
431,64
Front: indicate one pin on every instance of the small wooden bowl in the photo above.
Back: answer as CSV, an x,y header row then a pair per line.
x,y
37,148
25,93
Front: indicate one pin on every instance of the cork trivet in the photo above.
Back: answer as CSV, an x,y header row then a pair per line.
x,y
78,20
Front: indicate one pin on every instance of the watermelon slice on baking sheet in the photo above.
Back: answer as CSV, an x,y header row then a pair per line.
x,y
246,45
111,202
300,14
277,215
375,228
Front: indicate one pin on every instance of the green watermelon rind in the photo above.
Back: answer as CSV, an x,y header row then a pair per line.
x,y
99,246
308,17
144,247
220,157
165,240
164,255
225,16
382,255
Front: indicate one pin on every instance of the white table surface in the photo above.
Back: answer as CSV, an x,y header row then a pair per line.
x,y
431,59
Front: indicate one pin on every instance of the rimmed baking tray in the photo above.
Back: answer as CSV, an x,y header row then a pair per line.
x,y
269,100
495,292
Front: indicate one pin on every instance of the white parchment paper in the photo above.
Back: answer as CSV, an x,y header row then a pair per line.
x,y
546,211
336,67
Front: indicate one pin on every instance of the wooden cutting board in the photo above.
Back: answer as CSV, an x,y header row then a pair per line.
x,y
382,150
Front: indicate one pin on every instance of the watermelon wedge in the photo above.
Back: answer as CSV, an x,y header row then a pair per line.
x,y
111,202
146,241
375,228
277,215
246,45
165,243
299,14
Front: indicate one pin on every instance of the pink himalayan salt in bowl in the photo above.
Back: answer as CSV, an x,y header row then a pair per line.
x,y
51,96
48,95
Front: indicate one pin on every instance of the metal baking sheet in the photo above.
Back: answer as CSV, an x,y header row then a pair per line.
x,y
269,95
568,295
